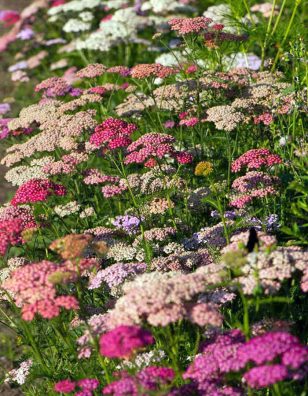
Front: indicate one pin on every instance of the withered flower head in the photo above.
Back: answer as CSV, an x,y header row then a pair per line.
x,y
71,246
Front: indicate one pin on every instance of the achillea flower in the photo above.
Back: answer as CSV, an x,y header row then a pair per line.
x,y
113,133
9,17
265,376
54,86
189,25
20,374
123,341
71,246
91,71
203,168
266,118
189,122
127,223
33,291
94,176
10,234
252,185
148,380
116,274
121,70
152,70
255,159
162,298
65,386
36,190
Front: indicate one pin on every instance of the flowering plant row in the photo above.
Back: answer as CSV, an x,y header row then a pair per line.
x,y
154,240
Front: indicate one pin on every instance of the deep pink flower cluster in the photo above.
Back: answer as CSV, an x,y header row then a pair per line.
x,y
151,146
36,190
9,17
146,70
189,25
277,355
112,134
255,159
33,289
10,234
123,341
84,387
54,86
147,380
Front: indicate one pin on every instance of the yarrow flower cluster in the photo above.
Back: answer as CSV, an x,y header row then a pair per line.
x,y
152,146
255,159
37,190
122,341
112,134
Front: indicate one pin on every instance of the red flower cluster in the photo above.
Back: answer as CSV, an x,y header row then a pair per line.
x,y
113,133
255,159
36,190
147,70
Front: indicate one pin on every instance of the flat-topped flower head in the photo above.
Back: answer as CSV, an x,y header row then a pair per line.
x,y
123,341
156,70
92,71
255,159
37,190
189,25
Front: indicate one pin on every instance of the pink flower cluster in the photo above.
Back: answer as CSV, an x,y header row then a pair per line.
x,y
84,387
10,234
123,341
94,176
33,288
189,25
9,17
255,159
147,381
66,165
21,213
36,190
54,86
121,70
266,118
113,133
151,146
147,70
253,185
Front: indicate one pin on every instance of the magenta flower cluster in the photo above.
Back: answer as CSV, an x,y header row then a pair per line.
x,y
123,341
36,190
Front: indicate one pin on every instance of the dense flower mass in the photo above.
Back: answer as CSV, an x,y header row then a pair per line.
x,y
113,134
37,190
122,341
153,213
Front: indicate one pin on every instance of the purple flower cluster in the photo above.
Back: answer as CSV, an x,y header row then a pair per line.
x,y
276,356
127,223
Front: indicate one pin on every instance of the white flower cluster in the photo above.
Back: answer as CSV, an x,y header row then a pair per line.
x,y
123,252
143,360
122,26
171,59
87,212
75,25
75,6
221,13
21,174
20,374
67,209
161,6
